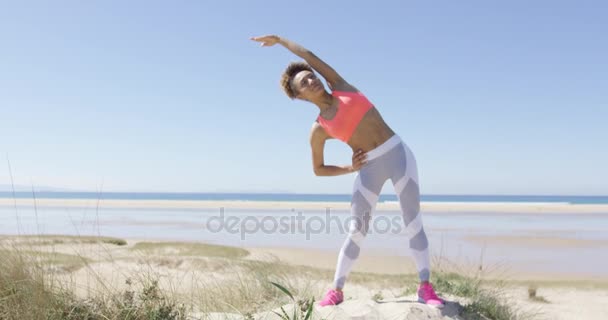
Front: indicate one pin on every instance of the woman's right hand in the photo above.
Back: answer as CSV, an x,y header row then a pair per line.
x,y
359,160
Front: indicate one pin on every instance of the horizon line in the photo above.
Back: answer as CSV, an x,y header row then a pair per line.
x,y
291,193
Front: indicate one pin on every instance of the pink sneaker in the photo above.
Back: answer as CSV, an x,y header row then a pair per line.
x,y
427,295
332,298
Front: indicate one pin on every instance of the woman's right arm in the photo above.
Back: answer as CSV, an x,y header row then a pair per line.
x,y
318,136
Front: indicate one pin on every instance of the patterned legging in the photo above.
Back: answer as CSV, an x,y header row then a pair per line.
x,y
391,160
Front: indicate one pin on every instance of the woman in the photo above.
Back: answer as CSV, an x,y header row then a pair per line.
x,y
378,155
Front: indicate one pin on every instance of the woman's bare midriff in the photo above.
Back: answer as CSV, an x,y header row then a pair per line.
x,y
371,132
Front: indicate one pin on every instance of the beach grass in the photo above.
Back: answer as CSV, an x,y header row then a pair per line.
x,y
250,289
235,286
190,249
28,290
58,261
49,239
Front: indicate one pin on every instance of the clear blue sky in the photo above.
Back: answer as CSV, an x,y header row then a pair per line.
x,y
493,97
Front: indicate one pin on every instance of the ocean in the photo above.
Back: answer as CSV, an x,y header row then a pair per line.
x,y
303,197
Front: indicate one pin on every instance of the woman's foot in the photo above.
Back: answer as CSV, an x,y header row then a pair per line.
x,y
332,298
427,295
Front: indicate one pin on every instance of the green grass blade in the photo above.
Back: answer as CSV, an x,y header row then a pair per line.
x,y
310,308
280,315
285,313
283,289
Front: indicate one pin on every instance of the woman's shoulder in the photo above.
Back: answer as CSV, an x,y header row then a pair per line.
x,y
318,131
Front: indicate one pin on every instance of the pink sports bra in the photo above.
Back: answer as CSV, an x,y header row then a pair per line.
x,y
351,109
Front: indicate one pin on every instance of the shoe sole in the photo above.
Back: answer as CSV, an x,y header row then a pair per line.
x,y
438,306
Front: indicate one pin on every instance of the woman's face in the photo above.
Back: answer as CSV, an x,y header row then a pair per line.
x,y
307,85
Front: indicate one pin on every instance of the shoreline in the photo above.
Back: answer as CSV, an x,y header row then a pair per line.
x,y
432,207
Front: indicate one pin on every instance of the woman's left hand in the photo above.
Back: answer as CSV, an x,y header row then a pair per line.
x,y
268,40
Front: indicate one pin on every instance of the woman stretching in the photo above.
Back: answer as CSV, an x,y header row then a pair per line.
x,y
378,155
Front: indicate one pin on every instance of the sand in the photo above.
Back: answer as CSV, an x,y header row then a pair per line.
x,y
110,266
541,241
